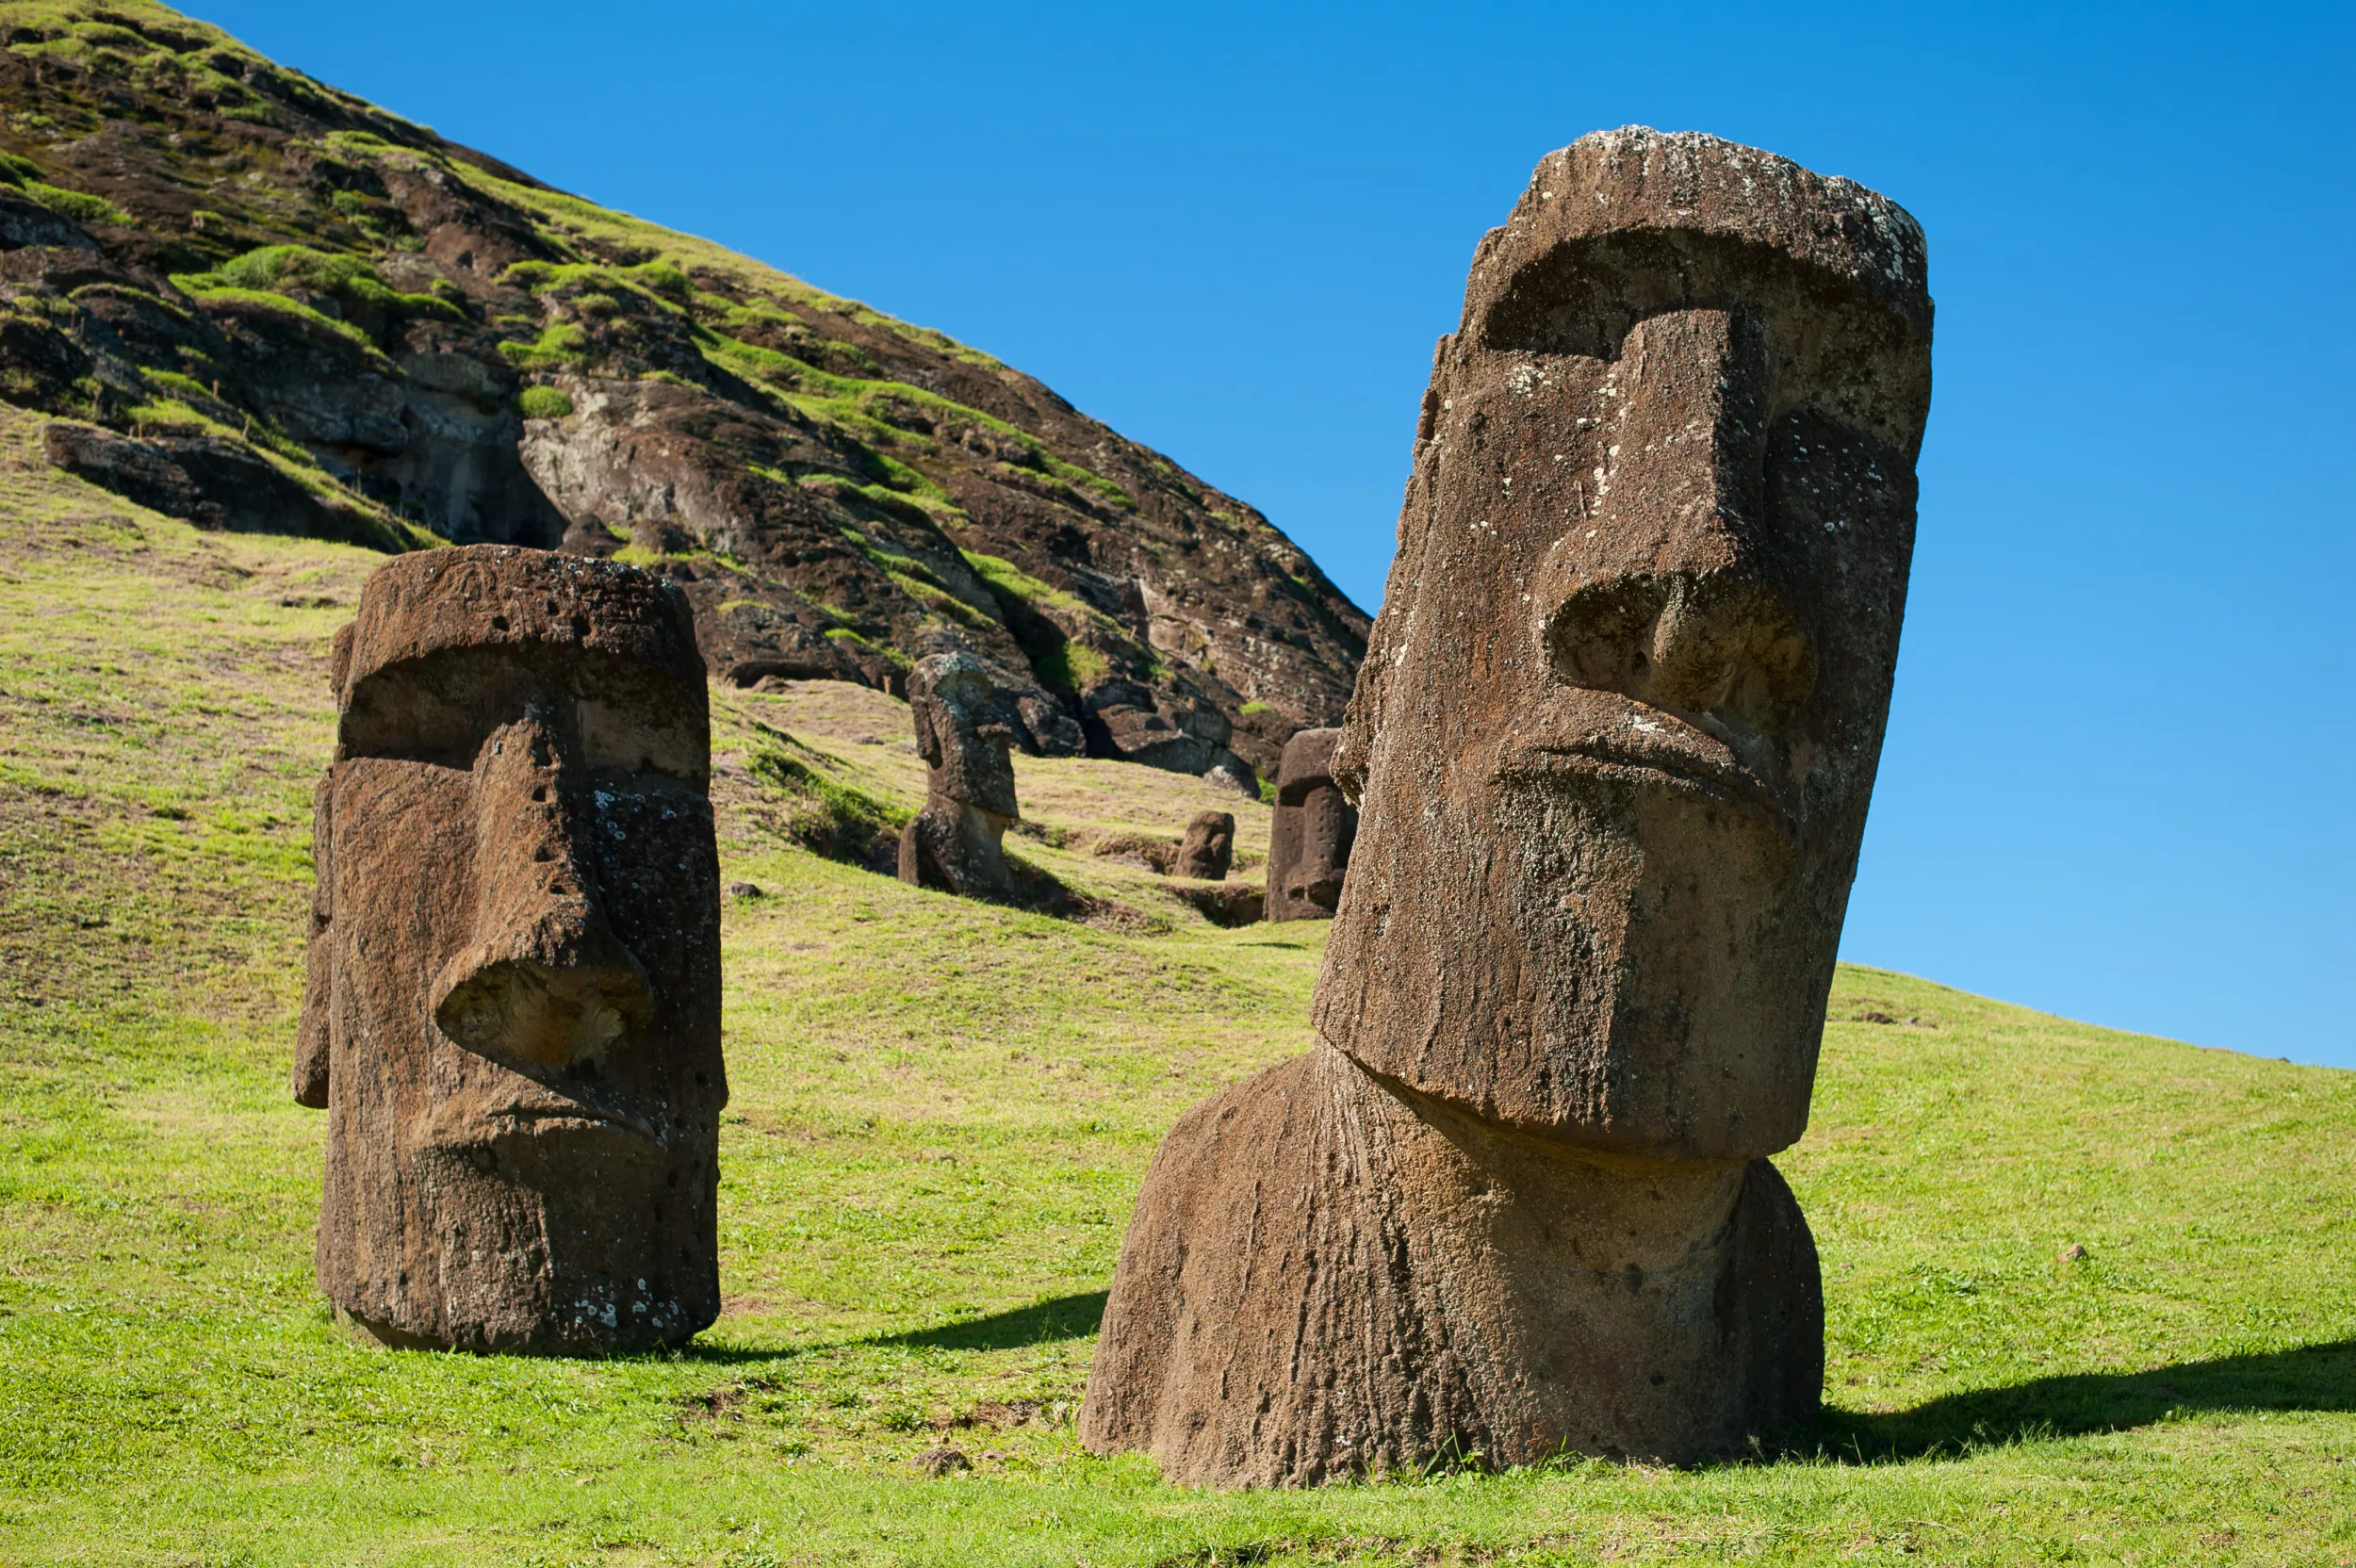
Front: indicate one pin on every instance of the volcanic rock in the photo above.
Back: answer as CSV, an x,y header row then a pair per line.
x,y
512,1013
359,330
1613,745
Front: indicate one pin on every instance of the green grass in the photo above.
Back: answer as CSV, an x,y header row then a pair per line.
x,y
199,286
349,278
79,206
544,402
560,346
941,1114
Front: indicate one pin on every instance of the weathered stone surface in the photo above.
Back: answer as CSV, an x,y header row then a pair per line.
x,y
1208,848
1326,1277
954,844
1311,832
1614,744
513,1005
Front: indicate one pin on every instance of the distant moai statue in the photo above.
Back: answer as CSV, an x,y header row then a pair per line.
x,y
1311,834
512,1015
955,843
1208,849
1614,741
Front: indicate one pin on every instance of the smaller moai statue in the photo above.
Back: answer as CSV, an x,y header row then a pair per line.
x,y
1310,838
1208,848
955,842
511,1014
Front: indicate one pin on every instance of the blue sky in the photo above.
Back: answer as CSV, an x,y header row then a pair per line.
x,y
2117,783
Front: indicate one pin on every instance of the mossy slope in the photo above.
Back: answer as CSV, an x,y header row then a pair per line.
x,y
203,244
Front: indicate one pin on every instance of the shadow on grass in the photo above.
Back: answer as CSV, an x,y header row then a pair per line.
x,y
1059,1318
2308,1377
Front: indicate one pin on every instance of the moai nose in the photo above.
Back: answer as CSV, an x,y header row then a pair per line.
x,y
545,982
1663,595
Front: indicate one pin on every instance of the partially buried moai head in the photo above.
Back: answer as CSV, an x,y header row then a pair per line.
x,y
513,1015
1622,713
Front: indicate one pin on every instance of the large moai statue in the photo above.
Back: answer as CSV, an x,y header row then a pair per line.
x,y
1312,831
1613,742
513,1008
954,844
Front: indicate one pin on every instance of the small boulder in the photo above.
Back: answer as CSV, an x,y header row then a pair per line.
x,y
938,1461
1236,776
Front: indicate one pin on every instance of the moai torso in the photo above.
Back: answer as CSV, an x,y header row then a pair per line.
x,y
1612,744
1311,834
955,843
513,1009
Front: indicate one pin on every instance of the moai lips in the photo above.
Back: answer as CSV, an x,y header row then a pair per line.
x,y
1612,746
954,844
512,1015
1312,831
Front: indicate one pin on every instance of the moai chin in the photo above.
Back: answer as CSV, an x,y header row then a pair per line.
x,y
1312,831
513,1009
955,843
1612,744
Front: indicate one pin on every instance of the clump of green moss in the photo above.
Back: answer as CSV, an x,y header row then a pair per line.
x,y
280,305
78,205
560,344
663,276
1061,664
283,270
882,650
827,816
544,402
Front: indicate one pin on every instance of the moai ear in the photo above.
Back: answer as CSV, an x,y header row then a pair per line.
x,y
339,655
319,979
928,742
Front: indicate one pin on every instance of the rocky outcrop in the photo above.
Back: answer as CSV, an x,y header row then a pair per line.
x,y
198,246
184,472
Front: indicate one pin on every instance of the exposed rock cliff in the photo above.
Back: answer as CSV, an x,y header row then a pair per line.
x,y
278,306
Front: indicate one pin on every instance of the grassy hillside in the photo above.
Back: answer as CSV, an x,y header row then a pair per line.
x,y
297,312
942,1113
